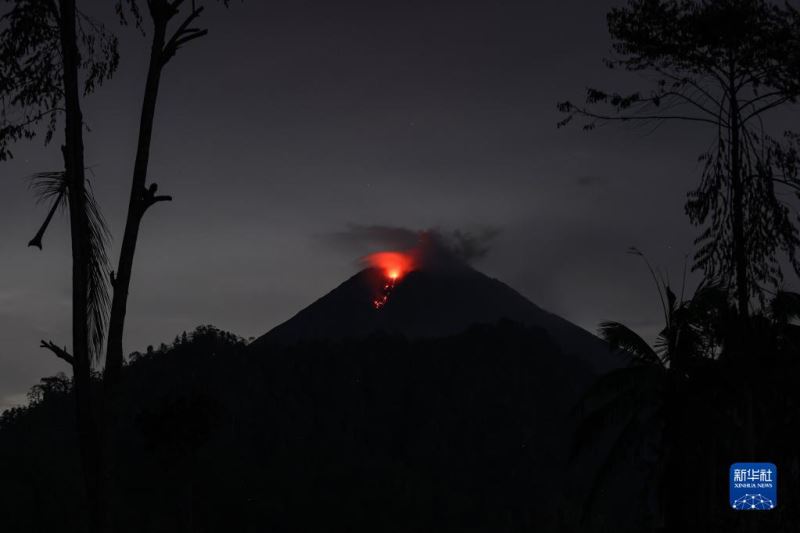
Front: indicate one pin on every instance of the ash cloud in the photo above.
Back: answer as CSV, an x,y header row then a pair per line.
x,y
432,246
470,246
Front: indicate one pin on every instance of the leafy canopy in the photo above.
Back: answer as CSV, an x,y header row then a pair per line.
x,y
31,70
724,64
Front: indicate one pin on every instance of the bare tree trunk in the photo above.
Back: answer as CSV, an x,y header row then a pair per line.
x,y
141,198
739,244
737,190
744,349
88,430
139,201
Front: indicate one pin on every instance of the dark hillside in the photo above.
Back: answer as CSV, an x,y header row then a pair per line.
x,y
466,433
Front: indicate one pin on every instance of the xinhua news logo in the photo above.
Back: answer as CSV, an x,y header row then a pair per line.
x,y
754,486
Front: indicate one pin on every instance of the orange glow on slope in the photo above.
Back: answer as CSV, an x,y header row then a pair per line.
x,y
393,265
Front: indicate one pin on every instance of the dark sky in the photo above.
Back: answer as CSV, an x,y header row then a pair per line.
x,y
295,121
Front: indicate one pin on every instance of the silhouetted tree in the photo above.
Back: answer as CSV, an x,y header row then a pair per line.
x,y
45,46
164,45
723,64
659,399
687,399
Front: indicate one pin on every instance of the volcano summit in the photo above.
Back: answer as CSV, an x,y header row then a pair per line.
x,y
432,299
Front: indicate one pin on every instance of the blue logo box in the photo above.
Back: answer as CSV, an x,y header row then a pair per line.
x,y
754,486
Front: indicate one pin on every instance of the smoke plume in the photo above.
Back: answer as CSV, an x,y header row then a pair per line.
x,y
431,248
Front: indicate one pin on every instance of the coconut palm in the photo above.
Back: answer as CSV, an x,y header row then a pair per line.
x,y
647,407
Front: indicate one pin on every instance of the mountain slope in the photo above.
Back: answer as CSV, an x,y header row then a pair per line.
x,y
430,303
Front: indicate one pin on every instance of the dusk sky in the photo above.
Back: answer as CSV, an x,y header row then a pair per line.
x,y
295,121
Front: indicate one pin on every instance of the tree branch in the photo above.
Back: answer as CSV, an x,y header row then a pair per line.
x,y
176,4
757,99
625,118
149,197
690,81
690,101
190,35
61,353
789,184
182,35
767,107
32,119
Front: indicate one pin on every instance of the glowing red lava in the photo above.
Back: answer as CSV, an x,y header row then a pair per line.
x,y
380,300
393,265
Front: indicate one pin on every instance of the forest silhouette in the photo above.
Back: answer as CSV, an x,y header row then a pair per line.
x,y
493,428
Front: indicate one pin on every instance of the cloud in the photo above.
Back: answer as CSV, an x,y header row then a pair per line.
x,y
462,245
470,246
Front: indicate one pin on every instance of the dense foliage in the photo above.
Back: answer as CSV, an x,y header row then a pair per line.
x,y
721,67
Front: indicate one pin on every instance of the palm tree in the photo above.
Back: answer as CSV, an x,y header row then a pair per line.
x,y
659,398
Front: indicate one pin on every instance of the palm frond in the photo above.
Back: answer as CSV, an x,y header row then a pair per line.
x,y
621,337
657,279
672,301
48,186
53,186
99,299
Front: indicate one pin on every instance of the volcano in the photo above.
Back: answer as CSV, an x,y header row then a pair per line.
x,y
429,302
429,379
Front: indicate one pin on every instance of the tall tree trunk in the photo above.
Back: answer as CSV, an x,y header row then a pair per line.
x,y
88,429
737,190
743,351
137,205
